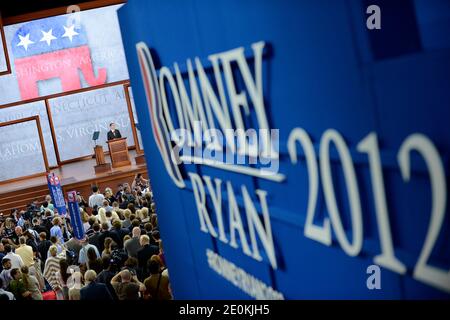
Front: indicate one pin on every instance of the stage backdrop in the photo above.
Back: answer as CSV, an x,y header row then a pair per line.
x,y
353,200
20,148
63,53
77,116
24,111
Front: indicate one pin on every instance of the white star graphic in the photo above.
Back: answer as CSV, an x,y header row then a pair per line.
x,y
70,32
48,36
25,41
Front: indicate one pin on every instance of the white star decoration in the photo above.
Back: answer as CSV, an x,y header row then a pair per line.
x,y
48,36
25,41
70,32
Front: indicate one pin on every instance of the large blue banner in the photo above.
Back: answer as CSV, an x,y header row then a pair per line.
x,y
54,186
75,217
300,149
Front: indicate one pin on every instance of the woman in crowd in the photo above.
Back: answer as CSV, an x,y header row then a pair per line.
x,y
93,263
62,276
107,250
75,283
157,284
52,268
85,219
31,284
110,196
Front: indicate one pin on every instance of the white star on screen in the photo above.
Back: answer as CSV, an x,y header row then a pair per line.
x,y
25,41
48,36
70,32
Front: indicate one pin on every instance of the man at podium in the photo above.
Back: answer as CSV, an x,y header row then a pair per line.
x,y
113,133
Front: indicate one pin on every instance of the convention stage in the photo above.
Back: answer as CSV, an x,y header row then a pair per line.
x,y
78,176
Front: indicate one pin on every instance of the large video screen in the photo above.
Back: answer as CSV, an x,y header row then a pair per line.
x,y
20,151
63,53
28,110
76,117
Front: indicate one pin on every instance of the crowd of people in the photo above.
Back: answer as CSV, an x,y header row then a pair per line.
x,y
120,257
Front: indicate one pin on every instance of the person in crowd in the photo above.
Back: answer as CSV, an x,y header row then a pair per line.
x,y
90,231
51,268
56,230
16,260
31,284
109,195
154,221
74,247
85,246
157,284
127,237
43,247
7,231
161,254
93,290
133,245
127,286
105,234
118,256
10,295
85,220
131,264
145,254
94,238
17,287
144,215
18,231
93,262
32,239
81,202
148,231
75,283
136,223
62,276
107,247
119,232
20,219
36,271
45,208
38,227
126,223
107,274
55,242
2,255
5,275
119,192
132,207
47,205
102,217
139,181
47,222
25,252
107,206
96,199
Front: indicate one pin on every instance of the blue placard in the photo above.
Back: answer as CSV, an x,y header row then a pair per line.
x,y
75,216
56,193
340,188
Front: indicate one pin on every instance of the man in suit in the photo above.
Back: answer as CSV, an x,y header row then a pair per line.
x,y
113,133
93,290
143,255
